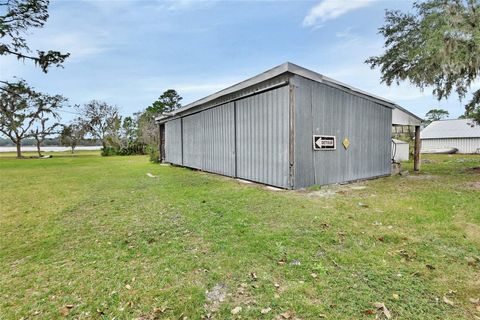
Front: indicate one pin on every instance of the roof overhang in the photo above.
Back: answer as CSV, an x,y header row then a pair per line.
x,y
403,117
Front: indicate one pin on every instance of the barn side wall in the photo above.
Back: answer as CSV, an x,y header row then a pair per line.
x,y
464,145
246,138
262,126
219,155
323,110
193,141
173,141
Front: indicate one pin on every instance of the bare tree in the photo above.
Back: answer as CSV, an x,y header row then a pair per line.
x,y
22,108
71,135
99,119
45,128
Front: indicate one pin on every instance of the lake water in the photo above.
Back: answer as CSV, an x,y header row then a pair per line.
x,y
49,148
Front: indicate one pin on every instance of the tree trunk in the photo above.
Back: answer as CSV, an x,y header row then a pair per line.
x,y
416,152
38,149
19,151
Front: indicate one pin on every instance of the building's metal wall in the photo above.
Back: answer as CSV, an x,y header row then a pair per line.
x,y
173,141
323,110
237,95
464,145
219,155
193,140
262,130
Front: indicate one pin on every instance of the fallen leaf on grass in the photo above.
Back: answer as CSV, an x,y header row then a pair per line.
x,y
474,300
266,310
286,315
395,296
128,287
448,301
64,311
236,310
253,275
151,175
314,275
383,309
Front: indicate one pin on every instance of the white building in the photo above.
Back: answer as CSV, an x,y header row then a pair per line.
x,y
462,134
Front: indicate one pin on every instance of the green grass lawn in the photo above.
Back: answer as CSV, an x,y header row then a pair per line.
x,y
89,237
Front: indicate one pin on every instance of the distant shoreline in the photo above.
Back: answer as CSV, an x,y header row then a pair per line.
x,y
50,148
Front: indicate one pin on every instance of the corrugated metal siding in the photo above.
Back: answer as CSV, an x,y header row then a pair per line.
x,y
219,156
464,145
323,110
262,126
193,141
173,141
237,95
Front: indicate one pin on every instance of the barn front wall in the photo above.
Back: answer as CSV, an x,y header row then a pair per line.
x,y
361,127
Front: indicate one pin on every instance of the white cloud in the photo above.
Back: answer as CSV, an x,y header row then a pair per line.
x,y
174,5
80,44
331,9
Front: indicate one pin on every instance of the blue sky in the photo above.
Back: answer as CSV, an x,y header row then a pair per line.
x,y
128,52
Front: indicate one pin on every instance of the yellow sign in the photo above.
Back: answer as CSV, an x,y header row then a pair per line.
x,y
346,143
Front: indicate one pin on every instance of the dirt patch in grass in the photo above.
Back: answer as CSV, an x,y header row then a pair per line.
x,y
472,231
473,170
474,185
337,189
421,177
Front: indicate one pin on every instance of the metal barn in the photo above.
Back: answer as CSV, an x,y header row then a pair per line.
x,y
288,127
461,134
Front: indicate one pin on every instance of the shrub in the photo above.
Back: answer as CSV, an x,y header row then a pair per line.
x,y
109,151
154,154
131,149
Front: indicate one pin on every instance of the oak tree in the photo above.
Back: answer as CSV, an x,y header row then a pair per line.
x,y
436,45
17,18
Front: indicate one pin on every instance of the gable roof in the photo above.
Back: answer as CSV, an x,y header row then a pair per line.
x,y
289,67
458,128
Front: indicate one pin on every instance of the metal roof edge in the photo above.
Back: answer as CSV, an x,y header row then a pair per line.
x,y
294,69
270,73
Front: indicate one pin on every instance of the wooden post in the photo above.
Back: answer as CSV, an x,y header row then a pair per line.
x,y
416,151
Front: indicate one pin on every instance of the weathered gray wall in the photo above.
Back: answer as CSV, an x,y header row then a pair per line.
x,y
249,138
173,141
324,110
193,140
219,140
254,146
262,137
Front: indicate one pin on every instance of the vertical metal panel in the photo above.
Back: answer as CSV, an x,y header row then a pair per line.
x,y
193,141
219,140
173,141
324,110
464,145
262,127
